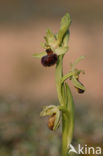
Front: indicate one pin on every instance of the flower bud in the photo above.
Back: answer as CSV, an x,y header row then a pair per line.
x,y
80,91
54,113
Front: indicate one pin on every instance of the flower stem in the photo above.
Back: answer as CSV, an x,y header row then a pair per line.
x,y
59,75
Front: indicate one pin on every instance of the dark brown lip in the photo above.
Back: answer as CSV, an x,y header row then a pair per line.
x,y
49,60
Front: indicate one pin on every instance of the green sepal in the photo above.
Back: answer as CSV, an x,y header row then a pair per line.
x,y
39,55
44,45
50,39
49,110
77,84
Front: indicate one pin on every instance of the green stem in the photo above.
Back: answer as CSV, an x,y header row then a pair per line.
x,y
67,76
59,75
66,108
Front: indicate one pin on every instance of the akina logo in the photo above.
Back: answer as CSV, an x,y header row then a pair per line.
x,y
85,149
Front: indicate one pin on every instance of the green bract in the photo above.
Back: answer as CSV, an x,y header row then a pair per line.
x,y
64,26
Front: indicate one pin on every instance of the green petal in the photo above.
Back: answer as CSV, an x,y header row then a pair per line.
x,y
39,55
50,38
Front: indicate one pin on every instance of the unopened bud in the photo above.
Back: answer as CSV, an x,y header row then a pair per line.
x,y
80,91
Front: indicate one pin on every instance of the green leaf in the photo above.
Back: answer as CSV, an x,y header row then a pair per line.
x,y
39,55
65,24
77,84
70,103
61,50
68,121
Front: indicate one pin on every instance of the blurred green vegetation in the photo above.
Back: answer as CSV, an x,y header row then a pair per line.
x,y
24,133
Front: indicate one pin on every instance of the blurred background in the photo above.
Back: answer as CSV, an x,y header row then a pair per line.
x,y
26,86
